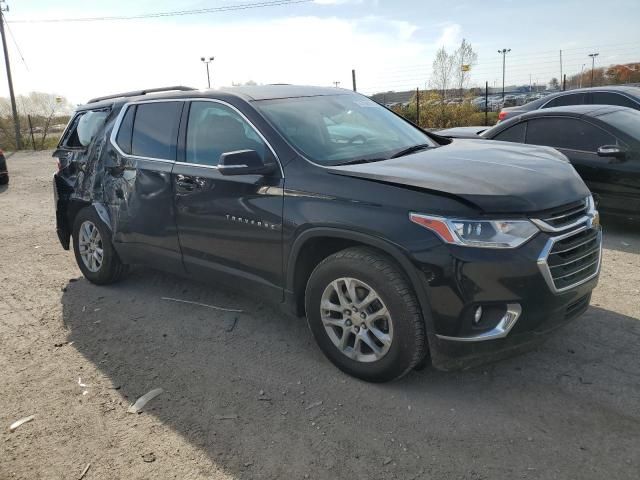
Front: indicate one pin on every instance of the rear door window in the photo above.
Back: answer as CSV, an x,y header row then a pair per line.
x,y
155,130
569,99
568,133
608,98
513,134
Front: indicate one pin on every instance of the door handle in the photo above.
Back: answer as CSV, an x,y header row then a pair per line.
x,y
188,182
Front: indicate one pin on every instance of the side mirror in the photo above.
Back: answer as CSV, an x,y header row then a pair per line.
x,y
612,151
244,162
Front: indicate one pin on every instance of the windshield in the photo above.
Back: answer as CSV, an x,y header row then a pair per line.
x,y
336,129
626,120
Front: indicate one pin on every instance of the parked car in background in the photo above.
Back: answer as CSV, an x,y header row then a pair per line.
x,y
625,96
401,247
602,142
4,173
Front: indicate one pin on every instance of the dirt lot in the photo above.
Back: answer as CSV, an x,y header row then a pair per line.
x,y
570,410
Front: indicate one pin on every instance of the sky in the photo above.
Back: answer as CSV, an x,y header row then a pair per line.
x,y
391,44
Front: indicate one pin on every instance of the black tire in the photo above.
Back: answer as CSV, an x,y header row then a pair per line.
x,y
112,269
4,180
408,345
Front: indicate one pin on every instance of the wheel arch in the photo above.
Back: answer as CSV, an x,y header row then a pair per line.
x,y
303,258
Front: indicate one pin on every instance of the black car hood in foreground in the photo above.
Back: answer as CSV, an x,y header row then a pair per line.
x,y
498,177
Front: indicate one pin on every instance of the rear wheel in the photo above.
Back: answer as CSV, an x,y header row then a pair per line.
x,y
93,249
364,315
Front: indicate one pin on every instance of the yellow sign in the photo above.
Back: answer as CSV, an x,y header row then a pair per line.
x,y
466,68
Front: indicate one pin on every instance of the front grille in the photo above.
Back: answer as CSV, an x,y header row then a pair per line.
x,y
574,258
565,215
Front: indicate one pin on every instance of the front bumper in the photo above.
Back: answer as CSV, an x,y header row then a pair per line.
x,y
457,280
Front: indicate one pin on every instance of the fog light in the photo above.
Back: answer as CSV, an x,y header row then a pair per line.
x,y
477,316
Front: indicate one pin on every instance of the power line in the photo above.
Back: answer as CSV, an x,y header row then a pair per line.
x,y
15,42
175,13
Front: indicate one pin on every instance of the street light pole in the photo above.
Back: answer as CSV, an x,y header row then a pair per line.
x,y
207,62
504,52
14,110
582,73
593,63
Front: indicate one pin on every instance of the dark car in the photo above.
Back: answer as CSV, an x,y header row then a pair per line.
x,y
4,173
400,247
602,142
620,95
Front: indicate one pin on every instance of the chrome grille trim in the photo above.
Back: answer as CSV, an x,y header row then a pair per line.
x,y
546,224
545,268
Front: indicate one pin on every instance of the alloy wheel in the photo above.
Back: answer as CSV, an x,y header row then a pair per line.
x,y
356,320
90,246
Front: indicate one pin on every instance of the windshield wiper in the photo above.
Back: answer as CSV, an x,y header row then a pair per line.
x,y
360,160
407,151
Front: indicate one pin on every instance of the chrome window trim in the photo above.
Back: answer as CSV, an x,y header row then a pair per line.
x,y
501,330
123,110
570,92
544,255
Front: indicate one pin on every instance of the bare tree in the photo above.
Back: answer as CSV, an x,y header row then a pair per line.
x,y
464,58
43,107
442,72
554,84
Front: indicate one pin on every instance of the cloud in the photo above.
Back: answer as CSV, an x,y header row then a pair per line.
x,y
83,60
450,35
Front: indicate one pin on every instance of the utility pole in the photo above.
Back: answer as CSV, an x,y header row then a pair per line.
x,y
561,67
504,52
336,83
14,109
593,63
353,79
582,73
418,106
207,62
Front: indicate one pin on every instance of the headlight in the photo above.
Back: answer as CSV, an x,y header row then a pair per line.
x,y
478,233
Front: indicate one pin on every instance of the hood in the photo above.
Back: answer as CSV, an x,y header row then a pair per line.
x,y
497,177
461,132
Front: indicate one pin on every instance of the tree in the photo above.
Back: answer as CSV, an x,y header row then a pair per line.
x,y
464,59
442,72
554,84
43,107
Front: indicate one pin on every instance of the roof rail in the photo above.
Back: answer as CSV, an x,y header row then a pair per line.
x,y
136,93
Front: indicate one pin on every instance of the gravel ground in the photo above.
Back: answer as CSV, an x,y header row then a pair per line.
x,y
250,396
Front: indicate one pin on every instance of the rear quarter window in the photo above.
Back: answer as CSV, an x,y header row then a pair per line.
x,y
513,134
83,128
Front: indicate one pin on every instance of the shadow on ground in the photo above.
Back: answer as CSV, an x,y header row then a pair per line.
x,y
622,235
570,409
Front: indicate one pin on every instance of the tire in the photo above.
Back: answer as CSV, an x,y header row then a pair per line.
x,y
4,180
399,339
110,269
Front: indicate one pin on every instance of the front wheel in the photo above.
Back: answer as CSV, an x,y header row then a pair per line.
x,y
93,249
364,315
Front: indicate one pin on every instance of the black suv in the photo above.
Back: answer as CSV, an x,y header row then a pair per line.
x,y
401,247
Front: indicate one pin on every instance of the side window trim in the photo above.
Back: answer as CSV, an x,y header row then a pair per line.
x,y
182,145
116,128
